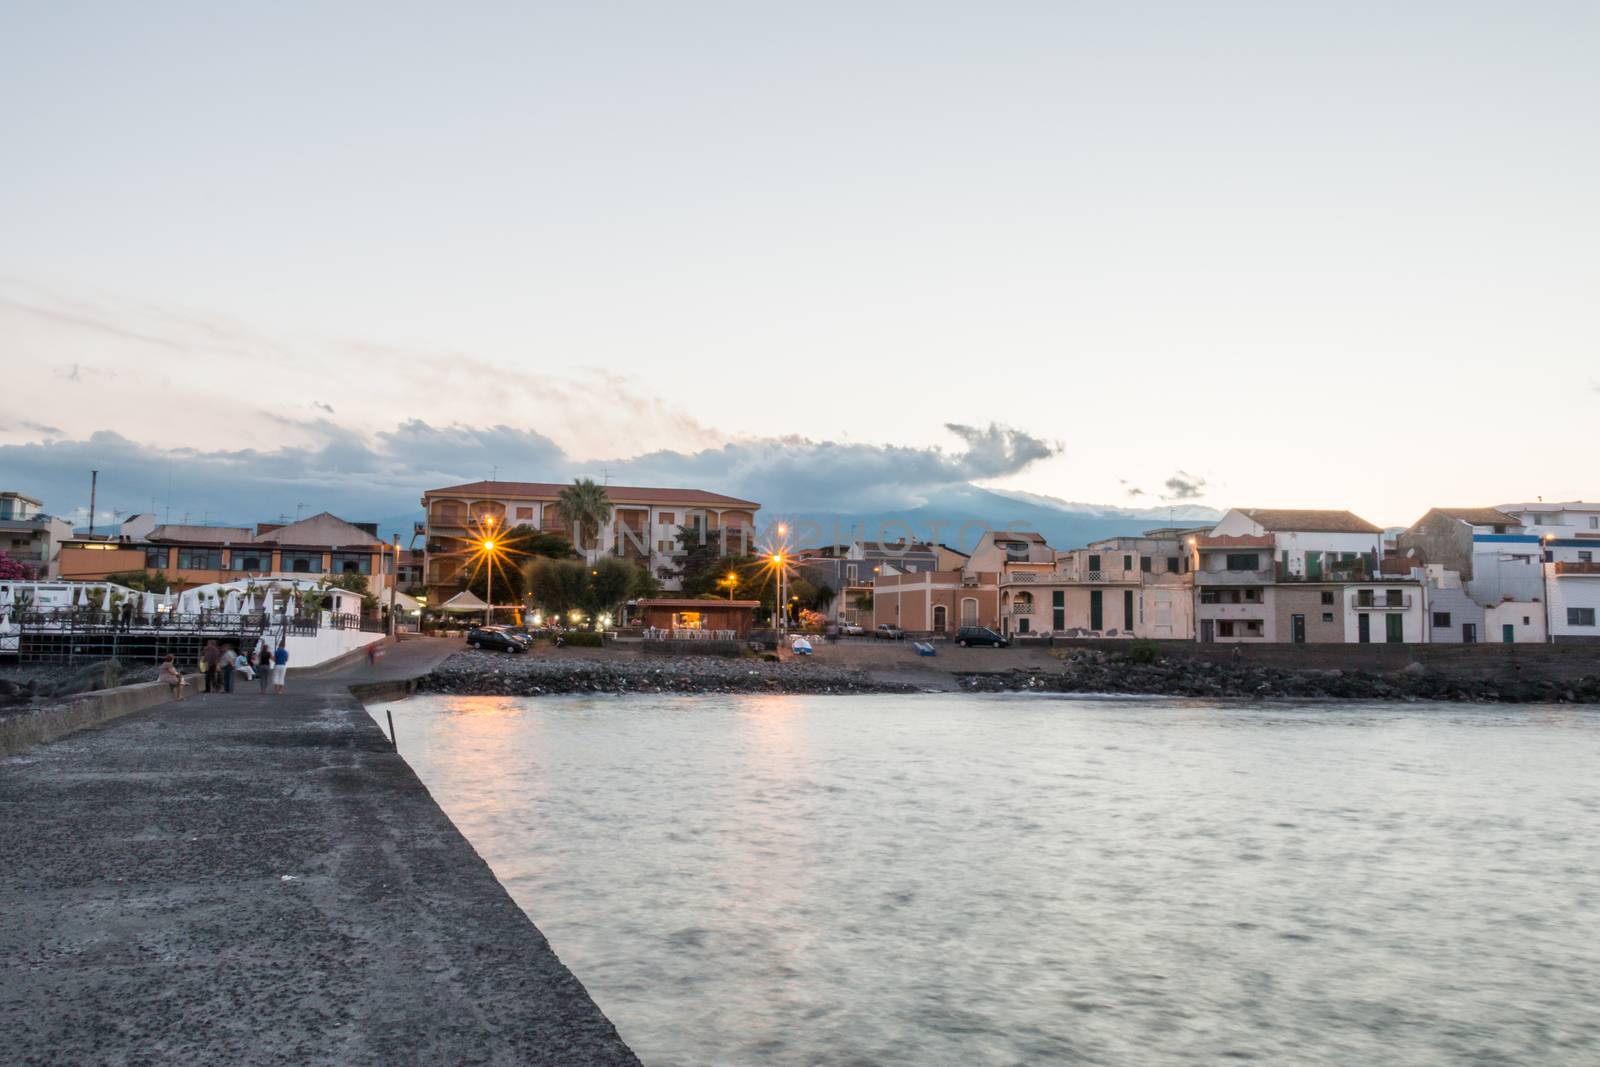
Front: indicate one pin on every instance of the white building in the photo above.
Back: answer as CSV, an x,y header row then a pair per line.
x,y
1574,600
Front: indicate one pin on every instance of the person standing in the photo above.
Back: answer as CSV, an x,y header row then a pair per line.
x,y
208,663
280,667
263,666
225,668
127,615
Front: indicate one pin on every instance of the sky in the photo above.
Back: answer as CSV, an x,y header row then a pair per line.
x,y
259,256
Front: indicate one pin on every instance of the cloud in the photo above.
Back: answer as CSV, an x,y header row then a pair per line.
x,y
1131,490
320,406
1184,486
41,428
91,321
382,476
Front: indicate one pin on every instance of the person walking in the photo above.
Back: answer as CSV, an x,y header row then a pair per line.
x,y
127,615
280,667
225,668
208,663
263,666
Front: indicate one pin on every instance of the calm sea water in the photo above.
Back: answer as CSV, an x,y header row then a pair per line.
x,y
1021,879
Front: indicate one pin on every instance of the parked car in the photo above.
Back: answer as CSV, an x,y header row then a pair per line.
x,y
498,638
852,629
968,636
888,632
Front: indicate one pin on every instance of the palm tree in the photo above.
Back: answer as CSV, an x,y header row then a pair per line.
x,y
585,507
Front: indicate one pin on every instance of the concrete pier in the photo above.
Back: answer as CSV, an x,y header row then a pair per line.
x,y
257,879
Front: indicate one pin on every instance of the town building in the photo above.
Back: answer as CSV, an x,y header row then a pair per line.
x,y
850,570
1114,587
1574,600
1484,579
644,525
188,555
29,536
1301,576
937,602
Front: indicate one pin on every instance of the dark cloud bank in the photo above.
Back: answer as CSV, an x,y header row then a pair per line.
x,y
381,476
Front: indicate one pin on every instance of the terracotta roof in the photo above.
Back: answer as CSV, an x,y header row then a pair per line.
x,y
206,535
1310,520
1235,541
710,602
1018,535
1481,516
619,494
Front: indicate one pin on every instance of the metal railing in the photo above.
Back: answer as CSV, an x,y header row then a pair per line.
x,y
1385,603
653,633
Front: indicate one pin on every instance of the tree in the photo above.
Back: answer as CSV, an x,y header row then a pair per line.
x,y
11,570
610,581
585,507
557,585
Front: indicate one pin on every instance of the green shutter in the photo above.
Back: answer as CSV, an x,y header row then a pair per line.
x,y
1096,614
1127,610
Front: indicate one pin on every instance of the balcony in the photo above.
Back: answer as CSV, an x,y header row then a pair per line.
x,y
1563,570
1025,607
1257,577
1368,603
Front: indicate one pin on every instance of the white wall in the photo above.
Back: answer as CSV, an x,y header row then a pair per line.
x,y
1525,617
1572,591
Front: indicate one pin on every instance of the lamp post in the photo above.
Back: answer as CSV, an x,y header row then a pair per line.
x,y
394,583
732,582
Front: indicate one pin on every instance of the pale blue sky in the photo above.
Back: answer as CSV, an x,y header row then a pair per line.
x,y
1316,256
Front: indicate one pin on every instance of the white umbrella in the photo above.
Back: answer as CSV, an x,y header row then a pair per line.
x,y
230,605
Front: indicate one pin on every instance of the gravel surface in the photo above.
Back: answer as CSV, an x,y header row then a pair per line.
x,y
498,674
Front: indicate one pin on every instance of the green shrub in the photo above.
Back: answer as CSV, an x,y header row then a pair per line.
x,y
583,639
1143,650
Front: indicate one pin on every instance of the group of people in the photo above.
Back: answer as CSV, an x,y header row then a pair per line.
x,y
220,662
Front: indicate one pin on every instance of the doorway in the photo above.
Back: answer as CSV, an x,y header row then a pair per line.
x,y
1508,634
1469,633
939,623
1297,624
1364,628
1394,629
1208,631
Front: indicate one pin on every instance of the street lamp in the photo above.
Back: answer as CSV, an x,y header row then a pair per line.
x,y
486,546
732,582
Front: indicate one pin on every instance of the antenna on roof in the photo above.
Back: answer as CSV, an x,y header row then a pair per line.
x,y
298,508
605,475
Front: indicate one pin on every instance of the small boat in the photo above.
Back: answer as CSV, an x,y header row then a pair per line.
x,y
925,648
801,647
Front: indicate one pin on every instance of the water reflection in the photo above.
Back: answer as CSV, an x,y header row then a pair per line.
x,y
1018,880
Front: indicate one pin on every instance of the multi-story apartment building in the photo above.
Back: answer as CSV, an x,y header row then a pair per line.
x,y
1273,574
1574,600
644,525
199,555
1115,587
31,537
849,570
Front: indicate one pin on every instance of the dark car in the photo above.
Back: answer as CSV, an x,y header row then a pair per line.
x,y
888,632
498,638
980,635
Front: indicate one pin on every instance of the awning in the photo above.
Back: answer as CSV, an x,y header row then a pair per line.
x,y
463,602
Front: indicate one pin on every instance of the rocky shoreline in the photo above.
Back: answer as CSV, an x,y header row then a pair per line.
x,y
1088,671
474,673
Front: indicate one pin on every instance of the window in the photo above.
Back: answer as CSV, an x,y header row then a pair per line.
x,y
1058,609
155,559
1394,598
302,562
1585,557
1364,598
1580,616
1327,616
1441,620
1144,564
1172,564
1094,563
668,518
351,563
1594,522
1252,596
1224,628
1327,596
251,561
524,513
1127,563
1244,561
850,572
200,559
